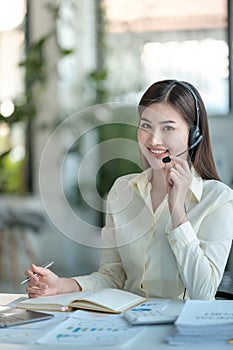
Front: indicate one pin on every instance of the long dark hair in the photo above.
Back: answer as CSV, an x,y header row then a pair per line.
x,y
178,96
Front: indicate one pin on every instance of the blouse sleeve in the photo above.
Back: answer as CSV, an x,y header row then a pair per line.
x,y
201,257
110,273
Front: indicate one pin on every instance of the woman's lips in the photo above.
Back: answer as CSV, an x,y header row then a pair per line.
x,y
158,153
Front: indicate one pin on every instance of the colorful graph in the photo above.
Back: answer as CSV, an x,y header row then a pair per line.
x,y
91,328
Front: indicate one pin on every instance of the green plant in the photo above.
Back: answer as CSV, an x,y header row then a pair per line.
x,y
34,65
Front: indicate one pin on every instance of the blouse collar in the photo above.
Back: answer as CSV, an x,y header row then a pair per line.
x,y
143,180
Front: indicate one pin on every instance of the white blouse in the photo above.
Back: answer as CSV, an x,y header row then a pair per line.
x,y
144,255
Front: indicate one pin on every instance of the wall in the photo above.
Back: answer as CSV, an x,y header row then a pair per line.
x,y
221,135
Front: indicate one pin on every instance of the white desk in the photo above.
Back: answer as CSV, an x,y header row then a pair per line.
x,y
152,338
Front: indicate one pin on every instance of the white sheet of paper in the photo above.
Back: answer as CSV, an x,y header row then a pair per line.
x,y
91,328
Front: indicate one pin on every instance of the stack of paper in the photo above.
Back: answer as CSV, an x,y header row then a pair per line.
x,y
204,322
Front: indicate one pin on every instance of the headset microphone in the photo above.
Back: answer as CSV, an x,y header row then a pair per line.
x,y
168,159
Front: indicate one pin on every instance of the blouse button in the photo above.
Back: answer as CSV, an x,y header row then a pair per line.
x,y
173,241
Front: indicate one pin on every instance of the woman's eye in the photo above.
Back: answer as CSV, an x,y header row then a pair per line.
x,y
145,126
168,128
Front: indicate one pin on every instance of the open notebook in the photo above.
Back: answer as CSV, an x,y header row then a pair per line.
x,y
107,300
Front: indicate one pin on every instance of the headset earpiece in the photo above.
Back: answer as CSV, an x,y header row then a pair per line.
x,y
194,136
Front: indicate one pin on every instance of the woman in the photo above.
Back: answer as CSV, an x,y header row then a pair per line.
x,y
168,230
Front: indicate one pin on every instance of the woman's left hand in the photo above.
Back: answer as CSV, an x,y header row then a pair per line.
x,y
179,178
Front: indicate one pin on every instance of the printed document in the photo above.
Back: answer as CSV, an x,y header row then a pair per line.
x,y
91,328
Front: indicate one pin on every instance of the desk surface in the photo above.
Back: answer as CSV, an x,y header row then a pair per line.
x,y
152,338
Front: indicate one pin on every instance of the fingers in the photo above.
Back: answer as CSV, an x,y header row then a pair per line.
x,y
37,271
40,270
178,164
178,171
42,281
30,273
35,287
177,160
34,292
36,276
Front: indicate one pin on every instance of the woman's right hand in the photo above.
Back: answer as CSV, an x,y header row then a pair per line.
x,y
44,282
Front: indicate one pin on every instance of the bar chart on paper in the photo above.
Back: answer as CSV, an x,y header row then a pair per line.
x,y
91,328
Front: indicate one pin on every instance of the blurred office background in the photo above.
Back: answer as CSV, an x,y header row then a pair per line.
x,y
70,70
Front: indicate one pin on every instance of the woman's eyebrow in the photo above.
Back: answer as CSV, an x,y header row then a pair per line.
x,y
161,123
168,122
146,120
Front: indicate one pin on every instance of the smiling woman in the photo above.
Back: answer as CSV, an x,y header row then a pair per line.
x,y
168,230
182,103
162,132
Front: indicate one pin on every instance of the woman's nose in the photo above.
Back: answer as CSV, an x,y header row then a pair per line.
x,y
154,138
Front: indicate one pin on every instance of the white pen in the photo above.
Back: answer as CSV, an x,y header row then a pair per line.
x,y
45,266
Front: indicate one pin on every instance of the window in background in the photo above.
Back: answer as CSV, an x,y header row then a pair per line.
x,y
150,40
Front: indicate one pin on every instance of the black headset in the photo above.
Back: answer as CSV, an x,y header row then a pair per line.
x,y
195,135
